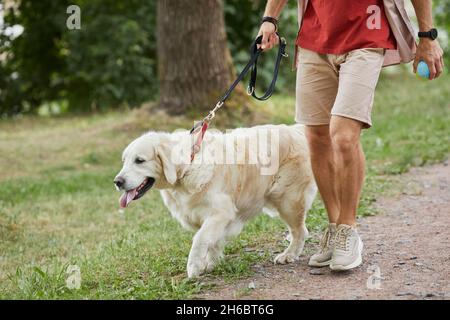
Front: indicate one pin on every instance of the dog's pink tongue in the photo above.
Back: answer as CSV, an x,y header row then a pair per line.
x,y
127,197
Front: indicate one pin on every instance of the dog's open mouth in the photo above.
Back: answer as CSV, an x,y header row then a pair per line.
x,y
136,193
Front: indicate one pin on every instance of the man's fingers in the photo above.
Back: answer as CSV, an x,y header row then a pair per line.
x,y
265,40
439,67
274,39
259,34
269,40
432,69
432,54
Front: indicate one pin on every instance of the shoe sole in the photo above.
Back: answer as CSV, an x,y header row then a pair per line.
x,y
319,264
352,265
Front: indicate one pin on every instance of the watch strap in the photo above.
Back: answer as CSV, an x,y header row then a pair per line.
x,y
424,34
431,34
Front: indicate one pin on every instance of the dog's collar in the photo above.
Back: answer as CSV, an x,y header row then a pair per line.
x,y
200,129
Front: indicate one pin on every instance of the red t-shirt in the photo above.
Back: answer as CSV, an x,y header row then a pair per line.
x,y
340,26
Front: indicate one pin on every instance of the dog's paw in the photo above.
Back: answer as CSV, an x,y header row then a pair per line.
x,y
285,257
195,270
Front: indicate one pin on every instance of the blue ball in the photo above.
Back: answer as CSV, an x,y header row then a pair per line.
x,y
422,70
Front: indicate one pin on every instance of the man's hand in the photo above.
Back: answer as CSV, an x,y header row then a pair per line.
x,y
269,37
430,51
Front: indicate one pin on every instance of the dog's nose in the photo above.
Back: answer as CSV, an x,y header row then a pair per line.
x,y
119,182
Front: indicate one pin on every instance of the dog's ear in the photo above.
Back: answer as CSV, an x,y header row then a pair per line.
x,y
168,166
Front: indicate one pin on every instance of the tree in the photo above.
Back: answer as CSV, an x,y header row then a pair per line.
x,y
194,62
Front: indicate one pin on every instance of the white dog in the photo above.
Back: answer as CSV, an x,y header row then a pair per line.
x,y
225,185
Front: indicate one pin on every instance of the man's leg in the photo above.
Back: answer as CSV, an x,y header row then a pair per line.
x,y
349,163
358,74
349,160
317,86
358,77
323,166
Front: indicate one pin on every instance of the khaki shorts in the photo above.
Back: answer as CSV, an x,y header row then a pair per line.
x,y
341,85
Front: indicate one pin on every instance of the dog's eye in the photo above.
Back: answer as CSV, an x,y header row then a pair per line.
x,y
139,160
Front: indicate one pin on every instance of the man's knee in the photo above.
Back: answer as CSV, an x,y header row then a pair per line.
x,y
345,141
318,137
345,134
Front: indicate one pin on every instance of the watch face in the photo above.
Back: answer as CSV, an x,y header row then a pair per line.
x,y
433,34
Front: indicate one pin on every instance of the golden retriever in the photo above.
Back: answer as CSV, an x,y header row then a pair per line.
x,y
236,176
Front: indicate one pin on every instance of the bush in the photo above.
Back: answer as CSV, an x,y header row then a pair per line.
x,y
108,63
442,16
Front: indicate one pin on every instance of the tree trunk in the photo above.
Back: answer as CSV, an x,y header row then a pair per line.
x,y
194,62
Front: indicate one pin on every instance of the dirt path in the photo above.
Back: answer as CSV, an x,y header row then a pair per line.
x,y
408,243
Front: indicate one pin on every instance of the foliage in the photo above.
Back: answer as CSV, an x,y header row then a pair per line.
x,y
111,59
442,16
108,63
33,59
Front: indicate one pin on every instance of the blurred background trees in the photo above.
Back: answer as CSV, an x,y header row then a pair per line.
x,y
112,61
109,62
442,17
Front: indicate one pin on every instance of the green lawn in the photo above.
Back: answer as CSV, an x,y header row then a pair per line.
x,y
58,206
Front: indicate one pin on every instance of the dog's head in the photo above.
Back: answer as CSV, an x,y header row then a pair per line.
x,y
146,162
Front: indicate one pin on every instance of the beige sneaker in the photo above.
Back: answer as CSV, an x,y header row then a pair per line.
x,y
323,257
347,248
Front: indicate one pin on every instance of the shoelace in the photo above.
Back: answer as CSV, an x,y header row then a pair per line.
x,y
342,238
326,240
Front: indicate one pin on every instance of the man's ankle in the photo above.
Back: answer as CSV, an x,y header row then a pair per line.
x,y
351,223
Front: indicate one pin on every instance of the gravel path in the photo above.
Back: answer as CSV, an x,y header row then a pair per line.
x,y
407,252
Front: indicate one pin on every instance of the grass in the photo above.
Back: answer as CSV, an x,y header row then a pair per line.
x,y
58,206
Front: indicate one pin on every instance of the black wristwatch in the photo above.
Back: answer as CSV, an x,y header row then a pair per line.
x,y
432,34
271,20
